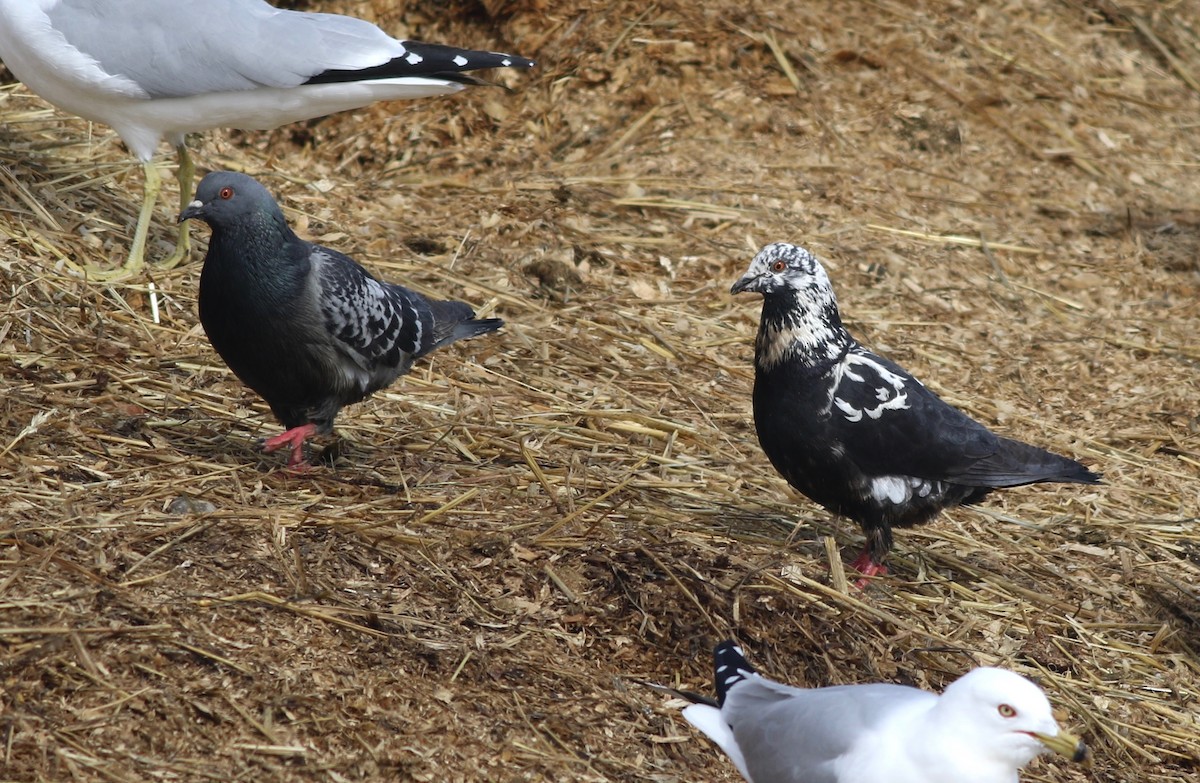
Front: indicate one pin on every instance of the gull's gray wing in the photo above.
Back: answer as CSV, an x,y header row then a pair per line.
x,y
795,735
177,48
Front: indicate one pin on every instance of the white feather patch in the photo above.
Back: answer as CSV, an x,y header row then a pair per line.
x,y
892,397
811,336
899,489
710,721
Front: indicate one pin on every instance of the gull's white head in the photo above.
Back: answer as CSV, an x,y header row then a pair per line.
x,y
1003,720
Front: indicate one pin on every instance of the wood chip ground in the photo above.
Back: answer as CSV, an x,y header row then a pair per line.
x,y
1007,197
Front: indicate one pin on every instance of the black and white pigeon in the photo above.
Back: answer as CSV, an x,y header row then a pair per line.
x,y
983,728
855,432
155,69
306,327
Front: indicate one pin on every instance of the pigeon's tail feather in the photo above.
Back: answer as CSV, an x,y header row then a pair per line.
x,y
454,321
1016,463
473,328
447,313
729,668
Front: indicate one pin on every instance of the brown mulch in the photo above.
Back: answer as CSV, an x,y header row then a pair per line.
x,y
495,548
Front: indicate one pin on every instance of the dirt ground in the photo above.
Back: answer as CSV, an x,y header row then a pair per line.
x,y
497,548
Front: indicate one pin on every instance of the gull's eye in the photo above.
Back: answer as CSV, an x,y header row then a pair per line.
x,y
226,193
1007,711
779,266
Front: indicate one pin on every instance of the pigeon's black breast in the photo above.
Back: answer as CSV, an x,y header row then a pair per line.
x,y
265,328
792,415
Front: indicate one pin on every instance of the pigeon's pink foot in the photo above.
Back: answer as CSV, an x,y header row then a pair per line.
x,y
866,565
294,438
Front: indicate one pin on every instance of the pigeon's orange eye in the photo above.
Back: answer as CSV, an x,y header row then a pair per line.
x,y
1007,711
226,193
778,266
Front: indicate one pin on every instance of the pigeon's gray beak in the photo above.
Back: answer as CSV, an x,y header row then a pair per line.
x,y
193,210
748,282
1064,743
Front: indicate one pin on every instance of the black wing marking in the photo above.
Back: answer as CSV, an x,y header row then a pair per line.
x,y
892,425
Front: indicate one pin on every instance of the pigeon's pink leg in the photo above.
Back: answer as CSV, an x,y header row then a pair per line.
x,y
866,565
294,438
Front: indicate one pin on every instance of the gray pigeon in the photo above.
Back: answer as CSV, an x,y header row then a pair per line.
x,y
164,68
306,327
984,728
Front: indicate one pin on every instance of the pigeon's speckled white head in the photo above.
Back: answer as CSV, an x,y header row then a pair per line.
x,y
800,313
781,265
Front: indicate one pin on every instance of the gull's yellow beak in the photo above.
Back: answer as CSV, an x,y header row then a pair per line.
x,y
1064,743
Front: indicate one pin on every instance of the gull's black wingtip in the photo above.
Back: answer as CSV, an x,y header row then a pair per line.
x,y
433,61
729,668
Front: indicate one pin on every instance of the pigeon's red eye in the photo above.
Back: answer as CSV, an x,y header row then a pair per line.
x,y
226,193
1007,711
778,266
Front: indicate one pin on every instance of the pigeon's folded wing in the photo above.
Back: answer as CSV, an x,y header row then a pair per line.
x,y
378,325
891,424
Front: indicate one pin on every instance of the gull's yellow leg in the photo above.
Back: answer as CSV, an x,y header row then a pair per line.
x,y
137,251
186,177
